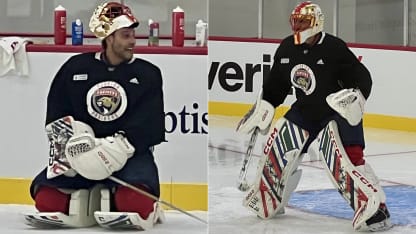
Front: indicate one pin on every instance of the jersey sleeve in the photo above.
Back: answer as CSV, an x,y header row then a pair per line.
x,y
276,86
353,74
145,126
58,101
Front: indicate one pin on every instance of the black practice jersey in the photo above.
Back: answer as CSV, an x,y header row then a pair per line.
x,y
315,72
127,97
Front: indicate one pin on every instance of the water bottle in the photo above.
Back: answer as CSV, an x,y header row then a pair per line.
x,y
153,33
178,27
60,25
77,32
201,34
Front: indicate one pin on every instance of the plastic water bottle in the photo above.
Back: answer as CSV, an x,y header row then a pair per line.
x,y
153,33
77,32
178,26
60,25
201,33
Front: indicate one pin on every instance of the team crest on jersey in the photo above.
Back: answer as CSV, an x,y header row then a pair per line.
x,y
106,101
302,77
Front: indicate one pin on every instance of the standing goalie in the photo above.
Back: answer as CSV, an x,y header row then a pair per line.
x,y
331,87
105,112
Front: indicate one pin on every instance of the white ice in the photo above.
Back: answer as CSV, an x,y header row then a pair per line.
x,y
392,154
12,222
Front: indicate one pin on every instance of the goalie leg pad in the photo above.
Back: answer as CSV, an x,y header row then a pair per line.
x,y
357,184
130,220
48,199
127,220
128,200
277,174
82,205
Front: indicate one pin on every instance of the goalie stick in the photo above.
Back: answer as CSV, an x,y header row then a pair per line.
x,y
121,182
242,183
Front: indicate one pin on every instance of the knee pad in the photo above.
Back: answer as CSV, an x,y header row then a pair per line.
x,y
355,153
48,199
128,200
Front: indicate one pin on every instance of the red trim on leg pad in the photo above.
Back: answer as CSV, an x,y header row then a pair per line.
x,y
48,199
355,153
128,200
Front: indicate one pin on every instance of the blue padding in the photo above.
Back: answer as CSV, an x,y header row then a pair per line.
x,y
401,202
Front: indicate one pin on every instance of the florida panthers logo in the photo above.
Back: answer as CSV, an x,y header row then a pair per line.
x,y
106,101
302,77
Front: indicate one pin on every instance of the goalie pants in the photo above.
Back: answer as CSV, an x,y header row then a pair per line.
x,y
140,169
352,137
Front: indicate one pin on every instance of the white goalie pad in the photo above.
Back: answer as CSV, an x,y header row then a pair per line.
x,y
349,103
82,206
277,173
358,185
126,220
260,115
97,159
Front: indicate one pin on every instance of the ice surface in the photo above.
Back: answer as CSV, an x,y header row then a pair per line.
x,y
315,207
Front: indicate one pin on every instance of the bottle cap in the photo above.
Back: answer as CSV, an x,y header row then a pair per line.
x,y
178,9
60,8
78,22
150,21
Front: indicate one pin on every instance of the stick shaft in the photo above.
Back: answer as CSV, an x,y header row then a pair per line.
x,y
248,155
149,195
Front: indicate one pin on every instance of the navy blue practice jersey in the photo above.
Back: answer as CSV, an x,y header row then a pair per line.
x,y
315,72
127,97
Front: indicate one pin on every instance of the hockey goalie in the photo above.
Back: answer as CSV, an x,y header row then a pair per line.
x,y
100,124
331,87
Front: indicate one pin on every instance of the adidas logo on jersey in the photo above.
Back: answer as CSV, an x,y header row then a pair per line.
x,y
80,77
134,80
284,60
320,61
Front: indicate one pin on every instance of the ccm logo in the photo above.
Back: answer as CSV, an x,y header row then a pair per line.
x,y
269,141
102,156
264,115
337,153
364,180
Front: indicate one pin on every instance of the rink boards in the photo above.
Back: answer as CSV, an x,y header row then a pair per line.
x,y
182,160
237,70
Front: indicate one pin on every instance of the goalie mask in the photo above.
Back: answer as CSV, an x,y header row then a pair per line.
x,y
306,21
109,17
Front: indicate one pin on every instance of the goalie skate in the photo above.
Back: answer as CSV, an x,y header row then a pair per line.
x,y
47,220
364,197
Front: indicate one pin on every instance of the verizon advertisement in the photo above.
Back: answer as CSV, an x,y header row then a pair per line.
x,y
237,69
183,158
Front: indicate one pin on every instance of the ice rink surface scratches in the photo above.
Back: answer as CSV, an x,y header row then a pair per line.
x,y
392,155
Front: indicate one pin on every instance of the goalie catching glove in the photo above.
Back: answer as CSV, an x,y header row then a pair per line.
x,y
349,103
260,115
96,158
